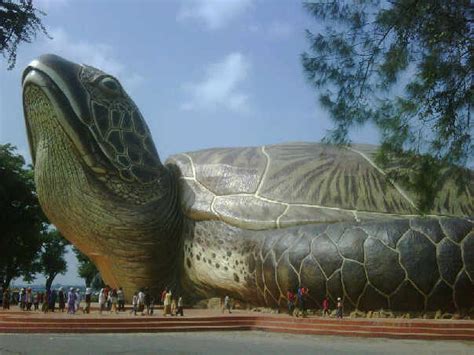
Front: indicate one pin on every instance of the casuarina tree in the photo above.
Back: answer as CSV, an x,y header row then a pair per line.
x,y
20,22
405,66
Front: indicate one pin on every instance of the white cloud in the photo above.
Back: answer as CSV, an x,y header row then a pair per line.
x,y
220,87
273,30
101,56
214,13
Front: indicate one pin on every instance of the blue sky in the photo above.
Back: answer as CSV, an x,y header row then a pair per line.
x,y
204,73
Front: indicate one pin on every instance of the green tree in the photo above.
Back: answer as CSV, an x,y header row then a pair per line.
x,y
87,270
51,260
405,66
19,22
21,219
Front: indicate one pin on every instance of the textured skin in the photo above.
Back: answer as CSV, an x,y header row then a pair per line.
x,y
256,220
413,264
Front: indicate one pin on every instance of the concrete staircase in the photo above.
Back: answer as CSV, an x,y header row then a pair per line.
x,y
21,322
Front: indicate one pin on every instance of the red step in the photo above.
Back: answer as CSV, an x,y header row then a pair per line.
x,y
12,322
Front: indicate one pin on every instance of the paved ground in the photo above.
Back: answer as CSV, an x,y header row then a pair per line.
x,y
220,343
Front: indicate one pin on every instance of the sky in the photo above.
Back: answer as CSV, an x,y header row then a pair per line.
x,y
204,73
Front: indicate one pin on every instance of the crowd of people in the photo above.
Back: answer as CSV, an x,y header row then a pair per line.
x,y
143,302
47,301
113,300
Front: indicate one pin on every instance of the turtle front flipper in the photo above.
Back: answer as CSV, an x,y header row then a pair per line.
x,y
418,264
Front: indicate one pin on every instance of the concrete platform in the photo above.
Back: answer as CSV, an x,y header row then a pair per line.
x,y
198,320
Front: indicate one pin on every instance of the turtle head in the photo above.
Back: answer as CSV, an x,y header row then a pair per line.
x,y
103,124
97,173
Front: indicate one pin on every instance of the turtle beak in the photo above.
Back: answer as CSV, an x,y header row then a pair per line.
x,y
65,75
59,80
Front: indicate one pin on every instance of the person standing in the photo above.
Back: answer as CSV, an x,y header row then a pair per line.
x,y
340,308
102,300
113,299
107,298
121,299
290,295
167,303
61,300
147,300
88,300
22,298
302,295
29,299
325,306
52,300
163,295
173,307
78,300
45,305
180,307
152,305
227,305
71,301
141,301
6,299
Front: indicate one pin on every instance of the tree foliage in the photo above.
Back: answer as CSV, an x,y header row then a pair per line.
x,y
20,22
21,219
404,65
87,270
51,260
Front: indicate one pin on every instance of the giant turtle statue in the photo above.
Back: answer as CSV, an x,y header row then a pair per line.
x,y
247,222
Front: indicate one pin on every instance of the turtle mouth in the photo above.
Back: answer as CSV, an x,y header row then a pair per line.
x,y
62,111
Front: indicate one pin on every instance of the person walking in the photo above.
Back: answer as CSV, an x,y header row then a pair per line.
x,y
340,308
325,307
134,304
227,305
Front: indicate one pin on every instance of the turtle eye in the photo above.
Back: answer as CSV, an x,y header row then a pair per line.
x,y
110,85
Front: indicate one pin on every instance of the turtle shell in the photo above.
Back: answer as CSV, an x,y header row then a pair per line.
x,y
276,186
